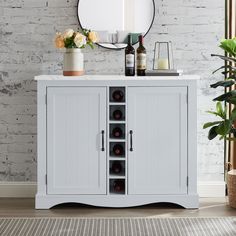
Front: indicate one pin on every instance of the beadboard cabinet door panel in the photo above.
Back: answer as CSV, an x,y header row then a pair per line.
x,y
158,118
76,163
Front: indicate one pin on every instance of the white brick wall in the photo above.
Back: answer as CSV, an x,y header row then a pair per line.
x,y
27,28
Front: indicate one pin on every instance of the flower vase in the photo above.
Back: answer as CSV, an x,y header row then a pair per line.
x,y
73,62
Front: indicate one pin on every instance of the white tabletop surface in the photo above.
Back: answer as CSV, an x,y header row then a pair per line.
x,y
115,77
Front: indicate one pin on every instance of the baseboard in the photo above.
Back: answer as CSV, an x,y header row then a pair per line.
x,y
211,188
18,189
28,189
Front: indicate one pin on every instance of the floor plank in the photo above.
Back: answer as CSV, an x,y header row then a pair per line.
x,y
209,207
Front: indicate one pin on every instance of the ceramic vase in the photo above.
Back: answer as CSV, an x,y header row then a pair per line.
x,y
73,62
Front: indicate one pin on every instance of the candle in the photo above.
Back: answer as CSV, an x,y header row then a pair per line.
x,y
162,64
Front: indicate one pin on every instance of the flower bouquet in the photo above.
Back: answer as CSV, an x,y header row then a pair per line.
x,y
73,63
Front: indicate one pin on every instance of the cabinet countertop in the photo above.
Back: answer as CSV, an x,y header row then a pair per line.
x,y
114,77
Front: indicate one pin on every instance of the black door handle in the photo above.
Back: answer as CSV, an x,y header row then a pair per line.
x,y
131,140
103,148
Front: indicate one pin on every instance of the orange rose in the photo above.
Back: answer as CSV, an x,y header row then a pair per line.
x,y
93,37
59,41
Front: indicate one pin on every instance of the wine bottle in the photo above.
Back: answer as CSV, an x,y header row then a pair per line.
x,y
118,95
117,115
116,167
141,58
119,186
118,150
129,58
117,132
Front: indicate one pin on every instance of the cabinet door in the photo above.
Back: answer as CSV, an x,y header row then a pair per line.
x,y
158,118
76,163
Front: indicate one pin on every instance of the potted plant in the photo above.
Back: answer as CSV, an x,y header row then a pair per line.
x,y
73,62
224,126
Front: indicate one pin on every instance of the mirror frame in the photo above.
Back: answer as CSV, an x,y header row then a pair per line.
x,y
153,18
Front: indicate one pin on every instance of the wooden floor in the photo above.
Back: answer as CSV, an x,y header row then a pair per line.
x,y
209,207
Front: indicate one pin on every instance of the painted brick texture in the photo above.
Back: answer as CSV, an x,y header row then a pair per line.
x,y
27,29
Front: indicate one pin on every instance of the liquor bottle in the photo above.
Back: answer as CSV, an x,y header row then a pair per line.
x,y
118,96
129,58
116,167
117,115
141,58
119,186
117,132
118,150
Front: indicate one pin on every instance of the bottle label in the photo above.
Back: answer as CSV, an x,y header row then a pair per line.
x,y
141,61
129,60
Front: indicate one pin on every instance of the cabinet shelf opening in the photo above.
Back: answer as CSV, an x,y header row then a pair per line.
x,y
117,168
117,113
117,186
117,94
117,149
117,131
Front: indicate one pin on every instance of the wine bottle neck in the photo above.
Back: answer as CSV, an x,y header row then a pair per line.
x,y
141,40
130,40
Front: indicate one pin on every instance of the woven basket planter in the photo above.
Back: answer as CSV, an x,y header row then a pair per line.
x,y
232,188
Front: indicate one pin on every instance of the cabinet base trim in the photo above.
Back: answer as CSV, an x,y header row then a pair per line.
x,y
48,201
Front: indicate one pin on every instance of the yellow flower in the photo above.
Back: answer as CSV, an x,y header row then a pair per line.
x,y
80,40
93,37
68,33
59,41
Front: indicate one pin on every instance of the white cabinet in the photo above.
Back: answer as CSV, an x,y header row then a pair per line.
x,y
157,117
76,163
89,153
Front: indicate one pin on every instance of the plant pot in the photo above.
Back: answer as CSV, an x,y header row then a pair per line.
x,y
231,183
73,62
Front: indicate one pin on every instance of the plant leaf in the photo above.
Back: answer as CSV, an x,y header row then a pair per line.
x,y
219,109
226,96
224,67
221,137
225,112
209,124
91,44
231,100
230,59
229,46
233,115
214,113
227,83
224,127
212,133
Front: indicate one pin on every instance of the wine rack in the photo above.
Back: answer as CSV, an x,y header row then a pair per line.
x,y
117,113
117,154
117,132
117,169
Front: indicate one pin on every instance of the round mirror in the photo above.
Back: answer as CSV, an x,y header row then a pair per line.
x,y
114,20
